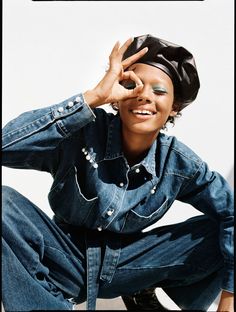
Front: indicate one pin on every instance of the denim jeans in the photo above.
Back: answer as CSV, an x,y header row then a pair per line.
x,y
50,266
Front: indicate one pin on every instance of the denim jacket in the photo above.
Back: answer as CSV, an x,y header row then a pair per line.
x,y
93,184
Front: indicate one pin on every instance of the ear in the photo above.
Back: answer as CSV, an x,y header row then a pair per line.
x,y
175,108
173,113
115,105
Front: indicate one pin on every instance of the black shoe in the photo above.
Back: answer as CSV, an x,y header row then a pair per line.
x,y
143,300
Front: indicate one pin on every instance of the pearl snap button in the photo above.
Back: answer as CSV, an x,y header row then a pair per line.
x,y
60,109
70,104
99,228
137,170
88,157
152,191
110,212
77,99
121,184
95,166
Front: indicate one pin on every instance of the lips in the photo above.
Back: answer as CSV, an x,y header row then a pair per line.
x,y
142,112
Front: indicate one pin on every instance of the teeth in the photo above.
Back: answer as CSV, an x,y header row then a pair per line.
x,y
143,112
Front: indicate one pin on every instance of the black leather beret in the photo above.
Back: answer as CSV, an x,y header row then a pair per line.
x,y
174,60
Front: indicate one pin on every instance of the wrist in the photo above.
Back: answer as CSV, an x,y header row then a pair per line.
x,y
92,98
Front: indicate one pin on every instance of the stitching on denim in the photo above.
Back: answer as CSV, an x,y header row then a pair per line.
x,y
189,181
67,255
25,127
178,174
62,128
23,137
61,179
181,153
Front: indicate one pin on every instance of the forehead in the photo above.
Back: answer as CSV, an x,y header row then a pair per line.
x,y
150,73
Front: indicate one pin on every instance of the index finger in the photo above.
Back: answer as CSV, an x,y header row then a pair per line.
x,y
133,58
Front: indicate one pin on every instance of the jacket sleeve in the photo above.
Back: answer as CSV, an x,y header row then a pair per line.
x,y
210,193
31,140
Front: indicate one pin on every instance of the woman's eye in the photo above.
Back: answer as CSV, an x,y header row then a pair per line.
x,y
127,85
131,86
159,92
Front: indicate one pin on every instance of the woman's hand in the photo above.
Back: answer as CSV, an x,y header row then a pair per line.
x,y
109,89
226,303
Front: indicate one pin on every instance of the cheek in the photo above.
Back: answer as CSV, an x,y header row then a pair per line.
x,y
165,105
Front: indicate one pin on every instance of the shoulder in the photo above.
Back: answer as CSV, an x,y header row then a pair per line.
x,y
178,148
178,158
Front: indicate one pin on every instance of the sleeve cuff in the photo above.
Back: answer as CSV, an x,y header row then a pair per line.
x,y
73,114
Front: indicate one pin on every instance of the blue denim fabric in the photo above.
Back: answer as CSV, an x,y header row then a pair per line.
x,y
49,266
95,188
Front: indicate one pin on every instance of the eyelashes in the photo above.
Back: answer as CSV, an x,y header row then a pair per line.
x,y
159,91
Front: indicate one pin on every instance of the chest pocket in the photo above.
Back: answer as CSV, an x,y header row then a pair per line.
x,y
67,200
144,214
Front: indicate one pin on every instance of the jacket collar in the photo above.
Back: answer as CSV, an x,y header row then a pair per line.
x,y
114,147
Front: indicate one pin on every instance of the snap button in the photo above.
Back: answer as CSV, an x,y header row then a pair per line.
x,y
99,228
121,184
70,104
153,190
88,157
110,212
60,109
137,170
77,99
95,166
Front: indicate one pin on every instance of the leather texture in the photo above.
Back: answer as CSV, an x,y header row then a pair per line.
x,y
174,60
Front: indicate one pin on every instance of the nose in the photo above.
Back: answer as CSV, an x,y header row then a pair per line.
x,y
144,97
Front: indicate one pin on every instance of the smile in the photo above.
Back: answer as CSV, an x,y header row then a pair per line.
x,y
143,112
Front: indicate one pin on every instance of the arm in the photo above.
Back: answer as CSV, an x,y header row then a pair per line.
x,y
31,140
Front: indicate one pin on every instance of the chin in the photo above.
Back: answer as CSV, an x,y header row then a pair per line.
x,y
144,129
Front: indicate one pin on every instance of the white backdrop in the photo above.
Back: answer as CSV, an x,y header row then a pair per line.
x,y
55,49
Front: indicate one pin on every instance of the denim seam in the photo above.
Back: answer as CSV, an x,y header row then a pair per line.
x,y
67,255
188,182
179,175
62,128
26,135
61,179
182,154
26,126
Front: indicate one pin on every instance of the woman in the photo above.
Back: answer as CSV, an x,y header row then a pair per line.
x,y
115,175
